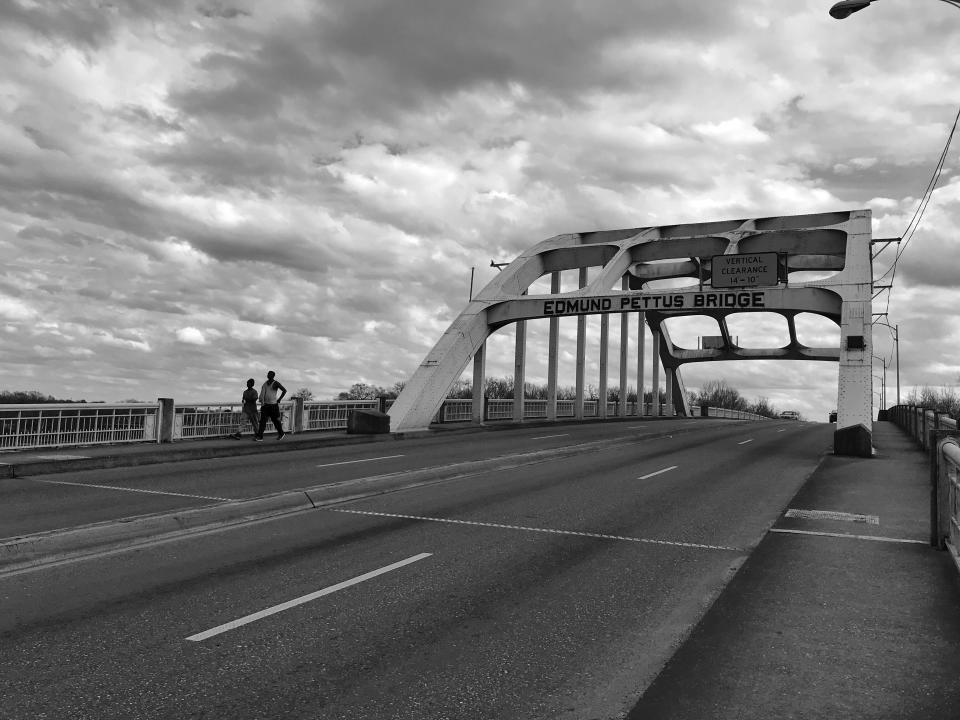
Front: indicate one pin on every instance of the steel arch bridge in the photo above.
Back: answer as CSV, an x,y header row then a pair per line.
x,y
623,263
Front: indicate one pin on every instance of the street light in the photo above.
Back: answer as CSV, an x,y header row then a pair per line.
x,y
896,342
883,390
846,8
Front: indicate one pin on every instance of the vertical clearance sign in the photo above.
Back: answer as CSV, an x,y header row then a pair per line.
x,y
747,270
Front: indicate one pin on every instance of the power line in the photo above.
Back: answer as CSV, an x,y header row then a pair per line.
x,y
921,208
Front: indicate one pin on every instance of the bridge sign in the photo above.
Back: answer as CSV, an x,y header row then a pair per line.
x,y
746,270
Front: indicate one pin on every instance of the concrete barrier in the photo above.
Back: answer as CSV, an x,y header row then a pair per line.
x,y
367,422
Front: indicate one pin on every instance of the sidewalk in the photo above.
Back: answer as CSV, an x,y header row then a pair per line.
x,y
831,618
40,461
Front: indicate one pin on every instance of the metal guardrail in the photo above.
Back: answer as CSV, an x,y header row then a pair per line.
x,y
461,409
333,415
937,433
38,426
77,424
948,497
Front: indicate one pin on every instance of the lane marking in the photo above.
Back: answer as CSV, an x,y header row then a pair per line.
x,y
63,457
133,490
552,531
253,617
544,437
658,472
832,515
782,430
875,538
363,460
745,442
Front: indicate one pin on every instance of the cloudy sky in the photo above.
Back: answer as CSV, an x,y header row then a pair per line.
x,y
194,192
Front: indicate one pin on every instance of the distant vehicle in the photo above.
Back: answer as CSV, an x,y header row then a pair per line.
x,y
833,416
789,415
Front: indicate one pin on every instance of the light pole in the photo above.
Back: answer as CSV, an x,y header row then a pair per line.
x,y
846,8
883,387
896,343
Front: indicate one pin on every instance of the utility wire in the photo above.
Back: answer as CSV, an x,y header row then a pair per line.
x,y
921,208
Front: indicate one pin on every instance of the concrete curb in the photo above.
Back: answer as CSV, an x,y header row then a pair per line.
x,y
29,551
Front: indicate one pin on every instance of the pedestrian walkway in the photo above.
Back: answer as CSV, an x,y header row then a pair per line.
x,y
843,612
21,463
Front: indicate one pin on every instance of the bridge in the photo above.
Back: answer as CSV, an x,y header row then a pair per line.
x,y
712,269
595,559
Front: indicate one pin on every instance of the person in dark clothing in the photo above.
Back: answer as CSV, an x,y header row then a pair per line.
x,y
249,409
270,405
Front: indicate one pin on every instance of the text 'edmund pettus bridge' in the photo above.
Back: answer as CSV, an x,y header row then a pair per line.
x,y
675,301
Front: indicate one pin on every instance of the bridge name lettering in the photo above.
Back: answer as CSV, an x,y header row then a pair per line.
x,y
678,301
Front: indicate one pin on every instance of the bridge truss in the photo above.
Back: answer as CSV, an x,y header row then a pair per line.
x,y
622,264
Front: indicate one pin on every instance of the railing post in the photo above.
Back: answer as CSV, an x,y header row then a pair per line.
x,y
165,415
297,422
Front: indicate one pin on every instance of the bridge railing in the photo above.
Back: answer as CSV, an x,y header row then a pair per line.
x,y
461,410
34,426
937,433
76,424
917,422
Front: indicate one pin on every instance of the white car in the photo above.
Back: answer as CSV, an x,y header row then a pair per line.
x,y
789,415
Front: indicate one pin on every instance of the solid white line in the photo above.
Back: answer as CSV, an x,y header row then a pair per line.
x,y
875,538
544,437
350,462
305,599
658,472
745,442
533,529
134,490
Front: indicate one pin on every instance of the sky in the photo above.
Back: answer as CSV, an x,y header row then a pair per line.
x,y
192,193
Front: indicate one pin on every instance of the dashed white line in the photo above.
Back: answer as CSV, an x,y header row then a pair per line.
x,y
233,624
658,472
363,460
782,430
134,490
544,437
745,442
502,526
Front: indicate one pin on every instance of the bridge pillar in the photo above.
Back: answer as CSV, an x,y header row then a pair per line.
x,y
624,351
655,352
668,374
581,353
479,383
553,354
519,370
641,343
604,359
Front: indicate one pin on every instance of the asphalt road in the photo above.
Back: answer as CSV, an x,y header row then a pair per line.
x,y
554,589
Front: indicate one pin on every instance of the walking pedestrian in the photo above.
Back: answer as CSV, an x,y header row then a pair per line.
x,y
270,405
249,409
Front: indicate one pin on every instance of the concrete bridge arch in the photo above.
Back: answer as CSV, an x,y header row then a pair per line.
x,y
625,266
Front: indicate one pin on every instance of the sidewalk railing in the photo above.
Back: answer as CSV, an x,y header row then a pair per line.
x,y
30,426
937,433
948,497
76,424
917,422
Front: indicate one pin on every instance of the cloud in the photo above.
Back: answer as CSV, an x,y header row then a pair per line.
x,y
312,183
191,336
